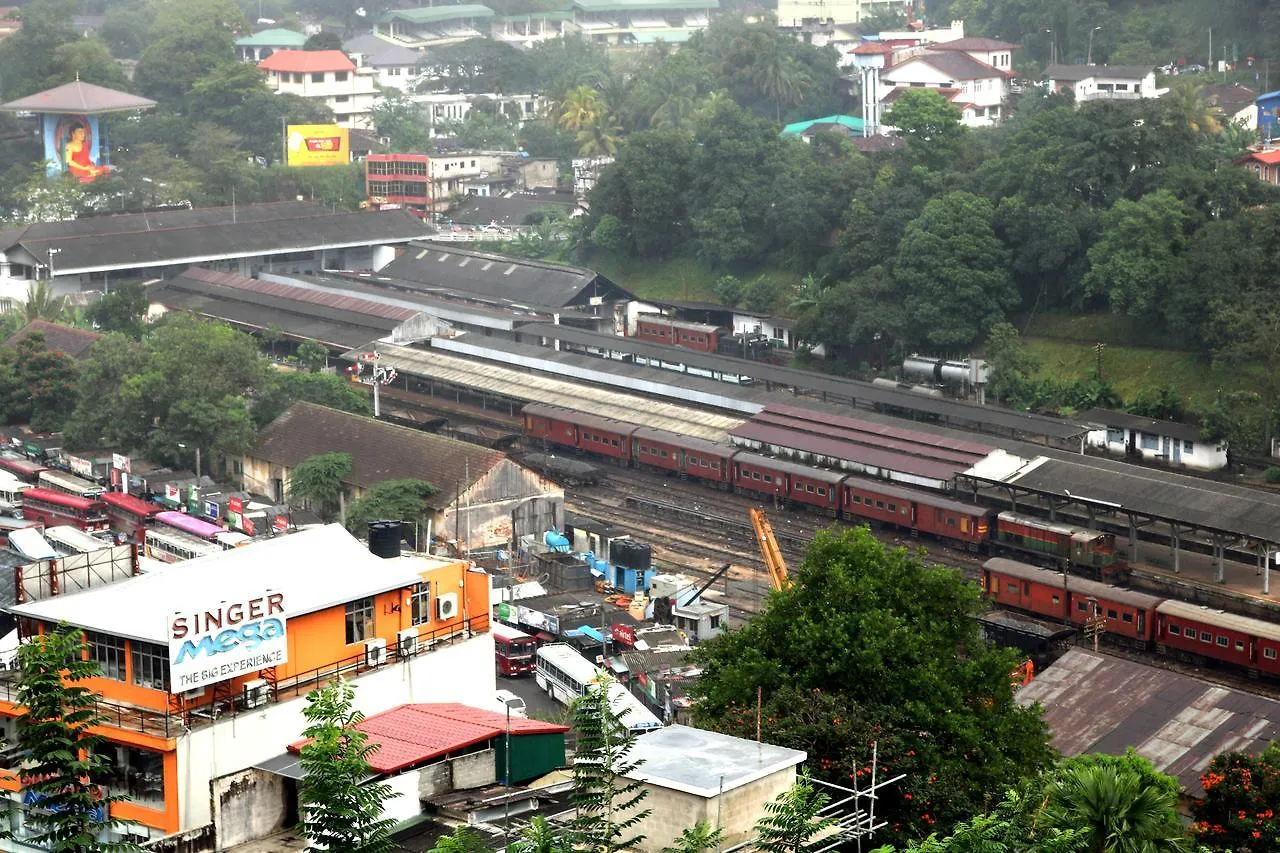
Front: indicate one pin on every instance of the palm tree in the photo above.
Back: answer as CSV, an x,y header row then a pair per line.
x,y
1187,100
599,137
1117,811
677,108
808,292
42,304
781,79
581,108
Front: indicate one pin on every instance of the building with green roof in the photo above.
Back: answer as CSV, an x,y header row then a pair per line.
x,y
260,45
633,22
828,123
435,26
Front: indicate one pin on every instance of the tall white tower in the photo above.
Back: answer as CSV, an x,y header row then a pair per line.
x,y
870,59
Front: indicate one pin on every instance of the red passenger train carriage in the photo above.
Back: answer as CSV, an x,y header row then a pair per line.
x,y
1199,632
589,433
691,457
665,331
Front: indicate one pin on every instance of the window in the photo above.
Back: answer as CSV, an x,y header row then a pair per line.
x,y
1174,630
1126,617
1188,447
359,620
1057,600
473,164
420,604
1111,614
1082,606
1239,645
1115,436
1223,641
1011,588
297,78
317,77
1150,442
768,478
1206,637
339,76
341,99
108,653
822,492
893,508
715,622
136,772
879,504
1269,654
150,665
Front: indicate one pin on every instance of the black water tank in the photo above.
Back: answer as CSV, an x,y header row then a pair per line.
x,y
384,539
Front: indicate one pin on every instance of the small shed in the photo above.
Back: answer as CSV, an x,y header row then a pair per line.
x,y
1170,442
693,775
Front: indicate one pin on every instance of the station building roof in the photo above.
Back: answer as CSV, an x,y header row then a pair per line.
x,y
1150,426
168,238
139,608
832,448
537,284
1098,703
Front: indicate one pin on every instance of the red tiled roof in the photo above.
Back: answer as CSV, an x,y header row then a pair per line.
x,y
307,61
1270,158
414,734
870,48
957,66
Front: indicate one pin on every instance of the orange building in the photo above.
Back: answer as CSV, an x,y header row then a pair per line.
x,y
205,665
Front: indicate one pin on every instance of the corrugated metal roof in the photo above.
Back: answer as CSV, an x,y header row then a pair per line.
x,y
818,475
1098,703
875,435
353,304
886,460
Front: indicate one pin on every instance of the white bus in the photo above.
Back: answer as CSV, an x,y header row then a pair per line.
x,y
11,496
60,481
565,675
229,539
70,540
170,546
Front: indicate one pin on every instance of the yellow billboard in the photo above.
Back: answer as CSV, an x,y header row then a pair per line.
x,y
318,145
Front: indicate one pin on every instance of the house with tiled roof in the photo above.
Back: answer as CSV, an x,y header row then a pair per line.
x,y
975,74
480,493
1232,103
72,342
260,45
327,76
1103,82
1265,164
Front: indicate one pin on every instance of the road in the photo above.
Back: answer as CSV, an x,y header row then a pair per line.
x,y
539,705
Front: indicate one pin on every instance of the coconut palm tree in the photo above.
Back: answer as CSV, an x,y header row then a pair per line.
x,y
1117,810
599,137
581,107
781,79
1186,97
42,304
677,108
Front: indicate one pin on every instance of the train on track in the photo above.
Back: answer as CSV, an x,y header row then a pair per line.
x,y
1168,627
969,526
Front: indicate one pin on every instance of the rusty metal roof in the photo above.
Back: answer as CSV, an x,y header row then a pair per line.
x,y
1097,703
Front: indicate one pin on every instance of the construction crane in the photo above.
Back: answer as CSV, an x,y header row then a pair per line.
x,y
769,549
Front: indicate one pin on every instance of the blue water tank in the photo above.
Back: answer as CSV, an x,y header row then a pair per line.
x,y
556,541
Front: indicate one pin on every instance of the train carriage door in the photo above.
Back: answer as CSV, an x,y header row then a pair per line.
x,y
1142,623
914,509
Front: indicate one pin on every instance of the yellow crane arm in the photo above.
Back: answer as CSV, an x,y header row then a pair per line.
x,y
769,549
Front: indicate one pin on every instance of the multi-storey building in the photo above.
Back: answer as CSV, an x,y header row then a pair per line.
x,y
435,26
976,74
328,76
395,66
399,179
637,22
205,666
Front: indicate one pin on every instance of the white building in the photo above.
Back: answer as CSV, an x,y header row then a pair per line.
x,y
973,73
527,30
794,13
395,66
1169,442
1102,82
434,26
328,76
456,106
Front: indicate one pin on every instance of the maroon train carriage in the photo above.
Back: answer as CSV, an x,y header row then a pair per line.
x,y
760,475
1199,632
967,524
602,436
665,331
1128,614
691,457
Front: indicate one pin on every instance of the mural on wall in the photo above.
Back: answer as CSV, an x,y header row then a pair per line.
x,y
72,146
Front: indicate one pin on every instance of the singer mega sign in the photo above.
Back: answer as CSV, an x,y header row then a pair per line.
x,y
233,639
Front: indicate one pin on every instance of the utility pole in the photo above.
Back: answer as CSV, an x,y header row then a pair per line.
x,y
1097,349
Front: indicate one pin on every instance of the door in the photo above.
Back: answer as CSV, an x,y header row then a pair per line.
x,y
1177,452
1166,449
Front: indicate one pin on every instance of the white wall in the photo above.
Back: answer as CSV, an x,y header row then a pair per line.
x,y
463,672
406,805
1203,455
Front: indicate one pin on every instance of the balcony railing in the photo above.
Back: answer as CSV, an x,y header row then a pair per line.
x,y
224,704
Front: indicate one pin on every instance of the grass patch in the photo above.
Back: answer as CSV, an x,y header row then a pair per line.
x,y
1131,368
1104,326
684,279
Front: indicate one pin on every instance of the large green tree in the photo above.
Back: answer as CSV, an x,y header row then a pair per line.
x,y
1240,810
397,500
339,808
187,40
1136,258
66,767
954,271
906,667
320,482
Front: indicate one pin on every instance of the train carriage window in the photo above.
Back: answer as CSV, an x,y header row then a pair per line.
x,y
768,478
755,475
1239,645
1026,587
664,454
715,466
1082,606
614,442
879,504
808,487
1111,614
1011,588
1126,617
1174,630
1269,654
937,516
1223,641
822,492
1057,600
1206,637
893,507
951,522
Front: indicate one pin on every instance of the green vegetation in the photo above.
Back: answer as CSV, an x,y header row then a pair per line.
x,y
396,500
319,482
1239,809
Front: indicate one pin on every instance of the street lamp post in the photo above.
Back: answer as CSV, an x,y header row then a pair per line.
x,y
184,447
1089,61
1053,48
52,252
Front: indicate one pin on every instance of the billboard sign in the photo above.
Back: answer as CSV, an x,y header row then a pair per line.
x,y
318,145
230,640
80,467
121,462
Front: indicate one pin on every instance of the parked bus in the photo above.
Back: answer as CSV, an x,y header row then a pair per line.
x,y
565,675
8,525
229,539
513,650
129,514
70,540
189,524
60,481
11,490
52,508
173,546
24,469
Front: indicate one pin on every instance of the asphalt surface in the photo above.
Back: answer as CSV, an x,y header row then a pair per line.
x,y
538,704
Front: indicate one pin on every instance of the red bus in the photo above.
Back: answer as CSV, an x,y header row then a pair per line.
x,y
513,650
51,508
24,469
130,514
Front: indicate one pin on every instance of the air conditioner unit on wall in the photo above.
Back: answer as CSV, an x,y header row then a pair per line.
x,y
447,605
375,652
255,693
407,643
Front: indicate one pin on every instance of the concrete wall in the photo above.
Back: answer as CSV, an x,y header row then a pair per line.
x,y
462,672
248,805
404,804
736,811
474,770
1203,455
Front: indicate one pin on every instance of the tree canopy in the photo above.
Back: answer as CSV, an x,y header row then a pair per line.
x,y
905,668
